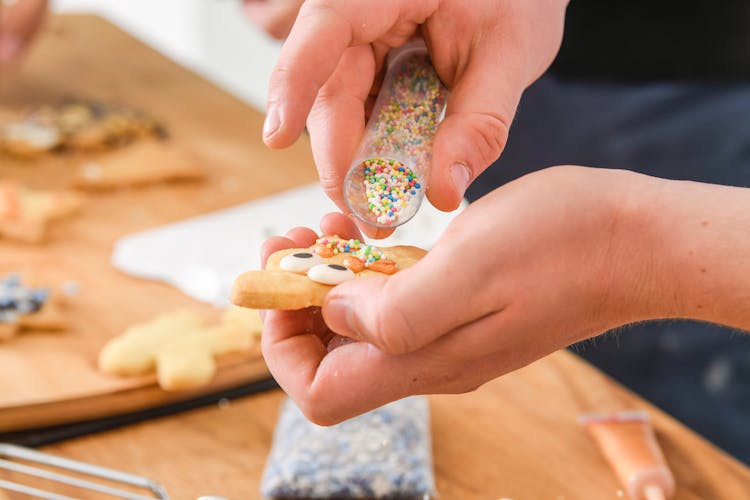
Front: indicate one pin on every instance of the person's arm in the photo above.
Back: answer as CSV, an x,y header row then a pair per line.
x,y
547,260
486,51
700,236
19,22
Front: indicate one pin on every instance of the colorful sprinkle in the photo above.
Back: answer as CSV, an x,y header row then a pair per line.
x,y
404,126
389,185
368,254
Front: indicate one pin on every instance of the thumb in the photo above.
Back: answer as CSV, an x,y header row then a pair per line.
x,y
405,311
475,129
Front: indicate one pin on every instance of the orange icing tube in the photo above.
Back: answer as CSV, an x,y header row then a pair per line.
x,y
627,441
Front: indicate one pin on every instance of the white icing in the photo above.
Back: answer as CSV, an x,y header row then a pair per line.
x,y
328,275
34,134
300,264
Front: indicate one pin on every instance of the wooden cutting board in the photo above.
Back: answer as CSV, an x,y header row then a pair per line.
x,y
51,378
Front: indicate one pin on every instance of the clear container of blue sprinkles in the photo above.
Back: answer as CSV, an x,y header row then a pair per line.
x,y
385,184
385,453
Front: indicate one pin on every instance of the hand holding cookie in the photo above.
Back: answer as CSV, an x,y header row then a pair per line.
x,y
533,267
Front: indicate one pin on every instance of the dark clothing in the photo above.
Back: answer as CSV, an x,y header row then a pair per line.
x,y
656,39
699,373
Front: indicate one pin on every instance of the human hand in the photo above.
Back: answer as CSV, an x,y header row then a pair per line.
x,y
275,17
19,22
487,52
545,261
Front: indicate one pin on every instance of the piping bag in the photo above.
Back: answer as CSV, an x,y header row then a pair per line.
x,y
628,442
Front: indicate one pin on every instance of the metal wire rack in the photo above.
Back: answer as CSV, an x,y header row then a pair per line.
x,y
61,475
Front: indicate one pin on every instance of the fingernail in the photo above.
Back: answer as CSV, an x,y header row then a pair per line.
x,y
341,319
271,125
10,47
461,177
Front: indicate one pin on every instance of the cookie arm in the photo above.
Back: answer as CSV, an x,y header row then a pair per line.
x,y
277,290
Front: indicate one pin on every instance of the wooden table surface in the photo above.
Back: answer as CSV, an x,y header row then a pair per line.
x,y
516,437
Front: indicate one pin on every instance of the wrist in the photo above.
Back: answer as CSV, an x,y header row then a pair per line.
x,y
705,234
632,283
690,248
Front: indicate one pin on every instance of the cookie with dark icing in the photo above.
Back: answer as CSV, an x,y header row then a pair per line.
x,y
28,308
296,278
77,125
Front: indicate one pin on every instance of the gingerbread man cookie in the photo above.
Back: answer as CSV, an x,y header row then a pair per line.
x,y
296,278
180,347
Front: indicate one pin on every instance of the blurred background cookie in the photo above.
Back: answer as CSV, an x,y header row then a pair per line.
x,y
77,125
26,214
25,308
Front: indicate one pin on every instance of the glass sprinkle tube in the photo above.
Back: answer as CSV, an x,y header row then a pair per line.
x,y
386,182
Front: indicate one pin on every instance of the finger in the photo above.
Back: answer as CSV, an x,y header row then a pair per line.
x,y
324,29
298,237
475,129
342,386
337,120
18,24
272,245
274,17
342,225
349,227
302,236
292,349
408,310
339,224
376,233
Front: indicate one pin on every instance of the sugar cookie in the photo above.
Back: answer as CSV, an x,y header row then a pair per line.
x,y
180,347
79,125
284,284
146,162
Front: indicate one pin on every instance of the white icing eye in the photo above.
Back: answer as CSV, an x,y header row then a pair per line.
x,y
300,262
330,274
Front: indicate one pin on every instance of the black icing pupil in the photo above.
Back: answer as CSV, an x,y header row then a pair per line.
x,y
337,267
303,255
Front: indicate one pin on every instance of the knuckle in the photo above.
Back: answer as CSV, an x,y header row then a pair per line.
x,y
331,182
492,130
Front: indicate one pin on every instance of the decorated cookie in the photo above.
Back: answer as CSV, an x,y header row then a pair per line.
x,y
296,278
79,125
27,308
29,138
146,162
180,347
26,214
